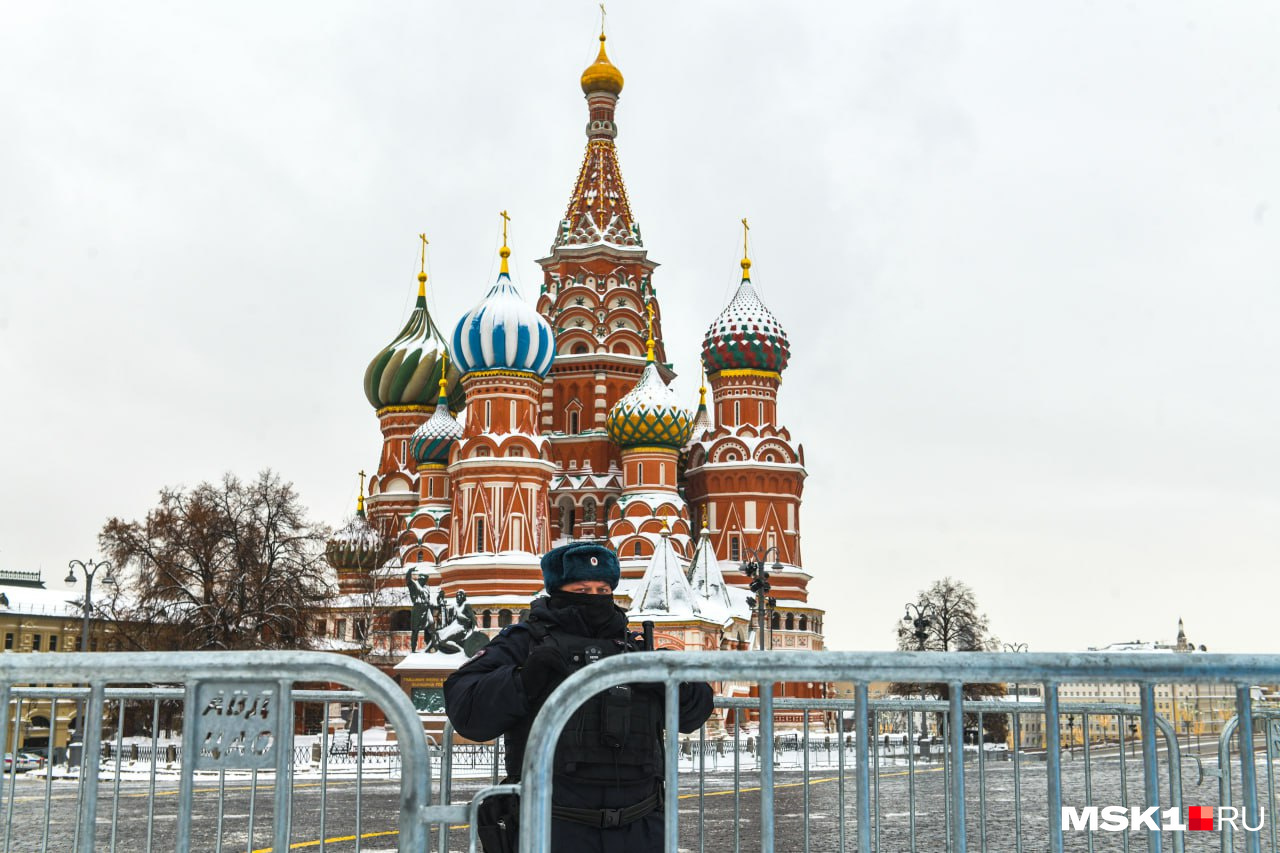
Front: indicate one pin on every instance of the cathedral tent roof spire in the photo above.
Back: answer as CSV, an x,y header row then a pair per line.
x,y
707,582
702,417
598,210
664,590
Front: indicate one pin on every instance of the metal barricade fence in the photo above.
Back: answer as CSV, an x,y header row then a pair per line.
x,y
906,795
813,755
1158,781
1248,726
239,712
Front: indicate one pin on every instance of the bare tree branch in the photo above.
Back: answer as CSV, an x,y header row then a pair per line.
x,y
228,566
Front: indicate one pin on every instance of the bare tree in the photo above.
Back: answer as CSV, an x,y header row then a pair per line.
x,y
955,622
951,621
233,565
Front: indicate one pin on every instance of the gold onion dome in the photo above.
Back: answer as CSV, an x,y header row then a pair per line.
x,y
602,75
649,414
406,372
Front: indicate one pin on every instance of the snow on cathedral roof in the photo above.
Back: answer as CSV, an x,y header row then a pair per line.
x,y
718,603
664,590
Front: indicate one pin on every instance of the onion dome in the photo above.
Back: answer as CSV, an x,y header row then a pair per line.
x,y
602,75
356,545
407,370
650,413
746,335
431,442
503,332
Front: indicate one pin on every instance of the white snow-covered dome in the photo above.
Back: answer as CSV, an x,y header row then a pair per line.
x,y
356,545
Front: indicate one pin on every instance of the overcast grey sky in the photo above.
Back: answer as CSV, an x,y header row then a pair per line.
x,y
1027,255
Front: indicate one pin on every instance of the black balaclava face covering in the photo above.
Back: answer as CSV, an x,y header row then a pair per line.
x,y
598,613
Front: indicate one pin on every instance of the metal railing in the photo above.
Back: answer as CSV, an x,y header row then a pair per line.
x,y
1246,726
789,785
954,670
239,714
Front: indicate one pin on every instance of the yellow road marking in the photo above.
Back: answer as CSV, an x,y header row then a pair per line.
x,y
316,843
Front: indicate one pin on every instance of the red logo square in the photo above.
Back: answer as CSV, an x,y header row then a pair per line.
x,y
1200,818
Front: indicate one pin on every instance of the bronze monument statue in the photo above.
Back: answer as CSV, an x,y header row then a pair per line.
x,y
445,627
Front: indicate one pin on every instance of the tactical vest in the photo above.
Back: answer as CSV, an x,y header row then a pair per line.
x,y
616,735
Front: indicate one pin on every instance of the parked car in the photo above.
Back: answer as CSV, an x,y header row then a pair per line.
x,y
22,763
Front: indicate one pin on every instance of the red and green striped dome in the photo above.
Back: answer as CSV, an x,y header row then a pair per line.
x,y
746,335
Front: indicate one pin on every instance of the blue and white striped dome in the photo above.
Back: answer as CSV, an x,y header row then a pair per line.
x,y
503,332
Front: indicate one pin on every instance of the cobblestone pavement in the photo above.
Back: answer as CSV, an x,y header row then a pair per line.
x,y
713,827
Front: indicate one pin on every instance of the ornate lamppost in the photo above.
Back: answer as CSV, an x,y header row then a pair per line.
x,y
754,567
920,623
90,569
1017,688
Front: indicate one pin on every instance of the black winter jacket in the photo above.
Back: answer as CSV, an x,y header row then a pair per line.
x,y
485,698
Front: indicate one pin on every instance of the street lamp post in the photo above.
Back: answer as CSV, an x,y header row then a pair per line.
x,y
1133,736
920,624
90,569
1071,735
1017,688
754,567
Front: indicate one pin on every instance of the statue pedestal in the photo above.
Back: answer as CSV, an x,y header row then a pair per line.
x,y
422,676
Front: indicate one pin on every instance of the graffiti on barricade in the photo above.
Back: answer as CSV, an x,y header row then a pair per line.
x,y
235,729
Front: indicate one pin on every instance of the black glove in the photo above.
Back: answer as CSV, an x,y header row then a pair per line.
x,y
542,672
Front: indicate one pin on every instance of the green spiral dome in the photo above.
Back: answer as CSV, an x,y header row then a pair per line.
x,y
407,371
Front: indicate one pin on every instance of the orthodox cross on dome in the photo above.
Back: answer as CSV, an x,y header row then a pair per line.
x,y
746,261
602,14
360,500
444,372
422,270
504,252
648,308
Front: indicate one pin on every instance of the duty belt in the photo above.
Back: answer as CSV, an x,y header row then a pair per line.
x,y
609,818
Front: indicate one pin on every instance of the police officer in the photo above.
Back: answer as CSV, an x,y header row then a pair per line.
x,y
607,792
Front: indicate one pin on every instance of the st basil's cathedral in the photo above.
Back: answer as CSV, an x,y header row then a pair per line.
x,y
526,426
